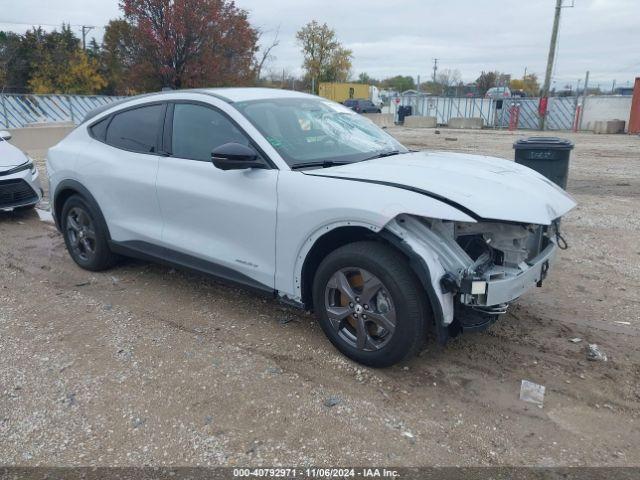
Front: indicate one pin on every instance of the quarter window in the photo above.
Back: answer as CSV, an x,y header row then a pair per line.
x,y
99,130
135,130
198,130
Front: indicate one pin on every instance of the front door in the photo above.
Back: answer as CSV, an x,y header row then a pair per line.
x,y
226,219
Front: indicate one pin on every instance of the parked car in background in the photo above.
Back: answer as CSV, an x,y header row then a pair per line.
x,y
519,93
301,198
19,182
361,105
498,93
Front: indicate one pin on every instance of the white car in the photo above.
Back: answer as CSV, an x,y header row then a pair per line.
x,y
19,178
303,199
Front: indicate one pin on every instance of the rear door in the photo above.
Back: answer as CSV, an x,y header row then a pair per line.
x,y
120,171
224,222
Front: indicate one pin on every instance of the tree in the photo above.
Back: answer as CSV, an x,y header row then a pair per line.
x,y
399,83
48,63
267,55
15,62
325,59
78,75
446,79
529,84
190,43
118,55
366,79
485,81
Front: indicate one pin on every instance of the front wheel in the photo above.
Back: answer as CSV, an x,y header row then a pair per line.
x,y
370,304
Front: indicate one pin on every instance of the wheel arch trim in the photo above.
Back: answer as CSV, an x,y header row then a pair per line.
x,y
77,187
308,244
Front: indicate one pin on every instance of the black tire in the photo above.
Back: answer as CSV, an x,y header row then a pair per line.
x,y
97,258
408,304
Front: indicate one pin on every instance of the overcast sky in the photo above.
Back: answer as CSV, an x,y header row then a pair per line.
x,y
404,36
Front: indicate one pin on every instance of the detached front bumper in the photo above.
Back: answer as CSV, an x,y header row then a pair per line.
x,y
487,292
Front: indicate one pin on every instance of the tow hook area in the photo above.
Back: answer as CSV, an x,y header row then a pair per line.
x,y
543,273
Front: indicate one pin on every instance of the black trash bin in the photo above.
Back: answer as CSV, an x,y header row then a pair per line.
x,y
403,112
548,156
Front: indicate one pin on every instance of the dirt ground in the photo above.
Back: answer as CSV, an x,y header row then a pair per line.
x,y
145,365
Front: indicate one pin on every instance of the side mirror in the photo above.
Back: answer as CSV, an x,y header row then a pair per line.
x,y
235,156
5,135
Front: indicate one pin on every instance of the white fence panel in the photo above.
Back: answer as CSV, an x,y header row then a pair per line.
x,y
605,108
17,111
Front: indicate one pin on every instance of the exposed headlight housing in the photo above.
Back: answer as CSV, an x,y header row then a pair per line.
x,y
28,165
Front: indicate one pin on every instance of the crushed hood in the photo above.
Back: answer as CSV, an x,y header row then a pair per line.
x,y
10,156
489,188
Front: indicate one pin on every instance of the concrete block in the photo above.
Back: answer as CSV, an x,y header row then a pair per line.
x,y
380,119
611,126
415,121
39,137
472,123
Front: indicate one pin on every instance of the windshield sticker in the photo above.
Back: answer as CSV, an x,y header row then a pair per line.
x,y
275,142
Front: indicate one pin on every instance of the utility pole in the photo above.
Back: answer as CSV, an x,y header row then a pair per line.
x,y
85,29
585,92
550,60
435,69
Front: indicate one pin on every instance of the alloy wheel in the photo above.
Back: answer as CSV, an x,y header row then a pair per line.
x,y
360,308
81,234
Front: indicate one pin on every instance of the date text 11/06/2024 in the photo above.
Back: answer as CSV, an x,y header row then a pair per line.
x,y
315,473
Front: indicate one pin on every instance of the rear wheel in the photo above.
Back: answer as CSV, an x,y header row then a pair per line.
x,y
85,236
370,304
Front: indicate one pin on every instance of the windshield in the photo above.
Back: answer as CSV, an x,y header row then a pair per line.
x,y
316,131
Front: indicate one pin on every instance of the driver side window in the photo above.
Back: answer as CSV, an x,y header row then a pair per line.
x,y
197,130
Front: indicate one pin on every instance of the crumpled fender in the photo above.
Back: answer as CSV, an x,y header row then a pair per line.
x,y
429,268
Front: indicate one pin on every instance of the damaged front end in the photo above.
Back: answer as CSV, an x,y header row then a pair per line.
x,y
473,271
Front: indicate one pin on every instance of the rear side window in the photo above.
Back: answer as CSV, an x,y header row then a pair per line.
x,y
99,130
198,130
135,130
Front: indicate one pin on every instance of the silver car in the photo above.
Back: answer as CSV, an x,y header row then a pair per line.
x,y
305,200
19,178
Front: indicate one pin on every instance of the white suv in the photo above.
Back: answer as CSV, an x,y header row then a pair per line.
x,y
303,199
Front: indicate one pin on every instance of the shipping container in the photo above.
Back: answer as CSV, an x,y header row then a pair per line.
x,y
339,92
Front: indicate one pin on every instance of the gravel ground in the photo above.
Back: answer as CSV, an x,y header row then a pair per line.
x,y
145,365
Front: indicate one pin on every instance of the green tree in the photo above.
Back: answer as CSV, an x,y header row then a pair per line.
x,y
325,59
529,84
399,83
118,56
47,63
366,79
18,58
78,74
